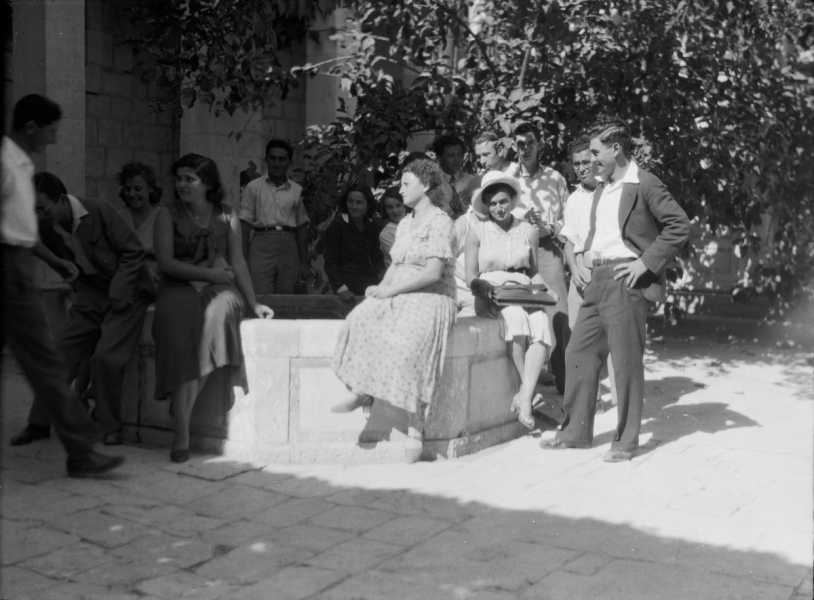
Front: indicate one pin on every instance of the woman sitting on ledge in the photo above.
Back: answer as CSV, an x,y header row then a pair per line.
x,y
204,284
353,260
393,344
499,249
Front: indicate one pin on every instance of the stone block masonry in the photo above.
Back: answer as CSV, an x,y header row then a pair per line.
x,y
286,415
121,122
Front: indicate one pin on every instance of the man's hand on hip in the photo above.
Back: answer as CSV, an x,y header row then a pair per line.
x,y
630,272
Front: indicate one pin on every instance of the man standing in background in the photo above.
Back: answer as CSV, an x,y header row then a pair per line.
x,y
275,225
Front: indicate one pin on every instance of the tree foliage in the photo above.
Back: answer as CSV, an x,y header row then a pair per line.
x,y
224,53
721,93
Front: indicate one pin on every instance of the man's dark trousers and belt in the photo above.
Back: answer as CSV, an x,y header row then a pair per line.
x,y
612,319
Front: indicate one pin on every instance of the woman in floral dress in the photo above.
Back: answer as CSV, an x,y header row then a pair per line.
x,y
393,344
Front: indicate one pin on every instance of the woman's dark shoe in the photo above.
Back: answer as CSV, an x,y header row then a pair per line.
x,y
92,464
113,438
30,434
179,455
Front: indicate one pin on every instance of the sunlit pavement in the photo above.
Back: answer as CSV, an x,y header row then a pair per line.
x,y
717,505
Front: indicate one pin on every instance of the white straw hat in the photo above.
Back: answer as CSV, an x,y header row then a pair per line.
x,y
489,179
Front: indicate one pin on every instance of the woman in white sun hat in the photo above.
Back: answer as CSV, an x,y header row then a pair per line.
x,y
502,248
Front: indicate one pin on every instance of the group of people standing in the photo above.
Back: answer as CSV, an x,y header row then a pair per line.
x,y
617,233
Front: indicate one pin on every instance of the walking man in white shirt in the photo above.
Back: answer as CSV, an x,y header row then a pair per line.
x,y
34,126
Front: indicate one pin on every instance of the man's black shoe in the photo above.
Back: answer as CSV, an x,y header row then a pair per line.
x,y
92,464
31,433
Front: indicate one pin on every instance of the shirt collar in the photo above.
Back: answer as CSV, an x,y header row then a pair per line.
x,y
523,172
631,174
78,210
286,185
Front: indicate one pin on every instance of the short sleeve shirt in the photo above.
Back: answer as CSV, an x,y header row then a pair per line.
x,y
264,204
546,191
18,226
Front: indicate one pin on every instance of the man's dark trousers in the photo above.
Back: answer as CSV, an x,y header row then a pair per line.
x,y
611,319
110,337
25,329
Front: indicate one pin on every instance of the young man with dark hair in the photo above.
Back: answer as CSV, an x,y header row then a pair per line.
x,y
543,195
35,123
275,225
576,220
450,151
108,304
635,229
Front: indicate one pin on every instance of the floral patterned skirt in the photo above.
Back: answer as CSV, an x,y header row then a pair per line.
x,y
393,349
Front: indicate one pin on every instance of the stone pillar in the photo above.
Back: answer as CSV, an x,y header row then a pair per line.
x,y
48,57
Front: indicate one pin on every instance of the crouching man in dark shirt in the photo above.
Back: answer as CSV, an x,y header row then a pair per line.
x,y
108,304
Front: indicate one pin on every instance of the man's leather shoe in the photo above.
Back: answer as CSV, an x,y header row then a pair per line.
x,y
31,433
92,464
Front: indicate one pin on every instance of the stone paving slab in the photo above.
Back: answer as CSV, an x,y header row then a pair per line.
x,y
292,583
718,506
622,580
253,562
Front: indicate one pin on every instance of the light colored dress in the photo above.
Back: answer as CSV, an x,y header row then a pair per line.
x,y
498,252
387,237
393,349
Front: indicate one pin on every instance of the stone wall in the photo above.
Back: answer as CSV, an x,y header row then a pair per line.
x,y
234,140
286,417
121,123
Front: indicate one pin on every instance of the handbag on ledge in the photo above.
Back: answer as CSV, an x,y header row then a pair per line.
x,y
512,293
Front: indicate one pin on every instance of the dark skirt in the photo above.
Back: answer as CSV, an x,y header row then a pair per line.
x,y
196,332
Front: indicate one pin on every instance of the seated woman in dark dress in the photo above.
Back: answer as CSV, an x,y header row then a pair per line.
x,y
205,285
353,259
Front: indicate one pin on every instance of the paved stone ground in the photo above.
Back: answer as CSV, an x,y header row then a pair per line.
x,y
718,506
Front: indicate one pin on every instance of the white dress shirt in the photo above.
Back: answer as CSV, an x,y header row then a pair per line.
x,y
608,242
577,217
18,226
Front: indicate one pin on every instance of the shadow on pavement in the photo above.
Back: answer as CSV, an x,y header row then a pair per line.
x,y
668,421
219,529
